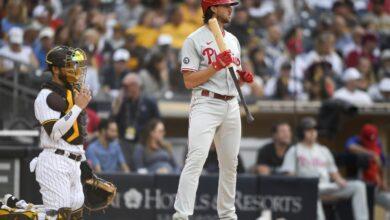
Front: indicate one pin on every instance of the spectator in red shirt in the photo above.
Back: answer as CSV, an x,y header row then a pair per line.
x,y
369,44
379,6
93,121
368,143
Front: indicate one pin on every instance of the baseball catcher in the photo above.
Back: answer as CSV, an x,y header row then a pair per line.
x,y
59,108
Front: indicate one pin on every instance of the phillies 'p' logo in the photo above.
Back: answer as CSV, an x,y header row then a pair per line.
x,y
209,52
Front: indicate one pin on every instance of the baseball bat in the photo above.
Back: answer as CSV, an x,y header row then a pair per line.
x,y
213,24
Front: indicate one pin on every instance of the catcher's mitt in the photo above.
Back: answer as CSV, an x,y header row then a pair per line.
x,y
98,193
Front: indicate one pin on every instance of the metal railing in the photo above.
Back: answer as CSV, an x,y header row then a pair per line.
x,y
16,93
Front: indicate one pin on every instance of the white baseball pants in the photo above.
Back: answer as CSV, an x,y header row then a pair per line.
x,y
210,119
59,180
357,191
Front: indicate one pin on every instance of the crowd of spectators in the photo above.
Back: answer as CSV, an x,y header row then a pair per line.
x,y
303,50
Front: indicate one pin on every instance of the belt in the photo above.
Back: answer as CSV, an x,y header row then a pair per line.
x,y
68,155
216,95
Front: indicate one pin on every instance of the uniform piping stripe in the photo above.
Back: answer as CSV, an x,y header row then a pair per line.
x,y
188,69
50,120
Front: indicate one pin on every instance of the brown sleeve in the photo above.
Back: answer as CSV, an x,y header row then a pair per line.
x,y
56,102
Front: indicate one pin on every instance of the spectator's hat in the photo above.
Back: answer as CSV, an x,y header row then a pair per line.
x,y
164,39
384,85
351,74
46,32
40,11
15,35
308,123
121,55
385,55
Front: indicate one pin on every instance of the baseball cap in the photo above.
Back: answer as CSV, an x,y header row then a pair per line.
x,y
40,11
15,35
384,85
46,32
308,123
121,55
351,74
164,39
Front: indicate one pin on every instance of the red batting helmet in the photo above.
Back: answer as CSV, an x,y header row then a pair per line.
x,y
208,3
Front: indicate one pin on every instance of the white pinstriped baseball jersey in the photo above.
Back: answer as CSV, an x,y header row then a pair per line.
x,y
200,50
44,113
58,176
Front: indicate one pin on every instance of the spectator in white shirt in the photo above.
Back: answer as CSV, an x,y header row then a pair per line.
x,y
16,51
357,36
284,86
324,51
129,13
310,159
92,76
350,91
274,46
384,70
380,92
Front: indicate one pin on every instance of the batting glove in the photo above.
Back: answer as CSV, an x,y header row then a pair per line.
x,y
223,60
245,76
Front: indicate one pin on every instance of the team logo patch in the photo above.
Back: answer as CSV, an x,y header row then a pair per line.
x,y
67,116
186,60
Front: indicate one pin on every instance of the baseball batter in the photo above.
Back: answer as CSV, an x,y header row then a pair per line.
x,y
214,111
59,109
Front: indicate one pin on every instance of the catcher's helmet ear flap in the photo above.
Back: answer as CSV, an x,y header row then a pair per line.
x,y
305,124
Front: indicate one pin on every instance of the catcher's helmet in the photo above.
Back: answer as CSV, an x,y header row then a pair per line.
x,y
305,124
57,56
71,60
208,3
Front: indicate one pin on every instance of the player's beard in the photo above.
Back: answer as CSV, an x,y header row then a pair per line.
x,y
224,19
62,77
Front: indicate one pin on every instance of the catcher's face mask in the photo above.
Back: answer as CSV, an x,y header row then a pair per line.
x,y
75,68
